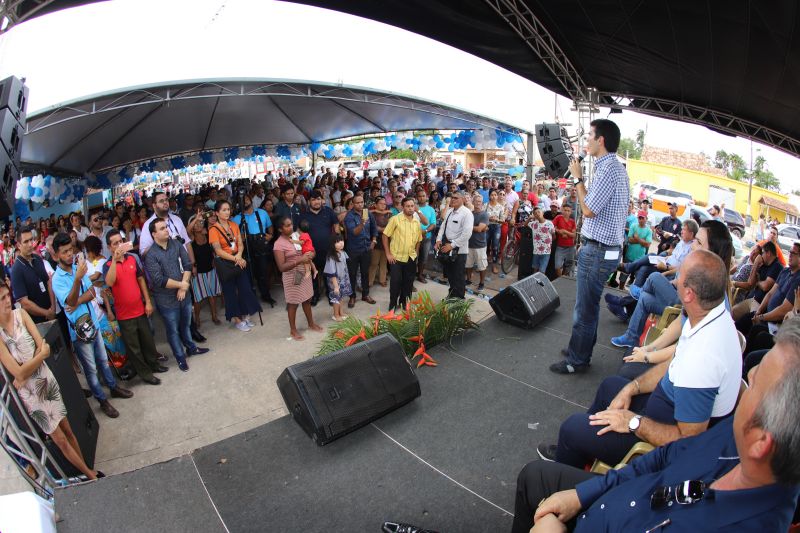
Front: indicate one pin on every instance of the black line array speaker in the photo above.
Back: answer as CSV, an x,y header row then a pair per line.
x,y
14,97
334,394
13,117
526,302
555,148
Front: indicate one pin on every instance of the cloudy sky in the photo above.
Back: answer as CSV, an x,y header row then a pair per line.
x,y
122,43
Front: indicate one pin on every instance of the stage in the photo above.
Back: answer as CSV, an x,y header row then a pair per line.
x,y
448,461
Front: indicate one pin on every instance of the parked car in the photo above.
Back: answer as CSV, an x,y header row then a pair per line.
x,y
735,222
661,197
788,234
700,216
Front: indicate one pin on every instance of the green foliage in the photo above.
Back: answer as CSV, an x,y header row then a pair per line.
x,y
736,168
401,153
435,322
632,148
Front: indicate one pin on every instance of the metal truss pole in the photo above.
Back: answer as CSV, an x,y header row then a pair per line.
x,y
19,438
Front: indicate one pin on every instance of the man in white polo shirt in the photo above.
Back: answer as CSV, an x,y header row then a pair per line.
x,y
675,399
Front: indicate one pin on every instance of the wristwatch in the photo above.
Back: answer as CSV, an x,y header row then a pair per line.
x,y
633,423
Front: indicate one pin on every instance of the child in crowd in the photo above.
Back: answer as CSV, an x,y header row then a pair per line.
x,y
337,277
302,242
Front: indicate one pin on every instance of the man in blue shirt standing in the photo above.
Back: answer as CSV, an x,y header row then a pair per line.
x,y
322,223
604,209
741,475
362,234
259,233
74,291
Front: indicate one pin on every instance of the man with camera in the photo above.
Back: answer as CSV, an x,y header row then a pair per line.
x,y
257,237
452,244
74,291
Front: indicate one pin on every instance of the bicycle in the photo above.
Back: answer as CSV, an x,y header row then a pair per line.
x,y
509,255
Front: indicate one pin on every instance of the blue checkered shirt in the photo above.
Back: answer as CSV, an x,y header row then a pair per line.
x,y
608,199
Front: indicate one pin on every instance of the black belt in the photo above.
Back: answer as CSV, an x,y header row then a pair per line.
x,y
585,240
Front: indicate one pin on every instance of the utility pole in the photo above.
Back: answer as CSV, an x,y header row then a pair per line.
x,y
750,187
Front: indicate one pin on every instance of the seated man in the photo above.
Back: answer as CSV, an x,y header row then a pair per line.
x,y
642,269
743,474
765,271
674,399
777,302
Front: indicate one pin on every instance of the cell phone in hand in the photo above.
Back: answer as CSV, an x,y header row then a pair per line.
x,y
126,247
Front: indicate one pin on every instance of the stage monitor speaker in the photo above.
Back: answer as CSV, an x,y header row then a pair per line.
x,y
526,302
14,96
334,394
11,132
525,268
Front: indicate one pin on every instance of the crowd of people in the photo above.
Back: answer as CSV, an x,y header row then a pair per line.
x,y
105,274
726,453
715,393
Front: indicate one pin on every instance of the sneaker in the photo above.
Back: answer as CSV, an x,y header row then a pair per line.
x,y
547,452
249,322
480,286
623,341
242,326
564,367
468,282
618,311
635,291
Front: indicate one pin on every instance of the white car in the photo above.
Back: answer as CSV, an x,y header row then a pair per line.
x,y
788,234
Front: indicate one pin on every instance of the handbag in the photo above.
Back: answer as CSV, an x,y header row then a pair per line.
x,y
84,327
452,255
226,270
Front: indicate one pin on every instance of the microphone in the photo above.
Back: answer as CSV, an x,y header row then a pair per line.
x,y
568,174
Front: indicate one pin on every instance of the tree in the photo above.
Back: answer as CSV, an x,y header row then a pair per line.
x,y
632,148
733,165
763,177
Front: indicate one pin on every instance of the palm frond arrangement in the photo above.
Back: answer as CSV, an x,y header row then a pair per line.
x,y
422,324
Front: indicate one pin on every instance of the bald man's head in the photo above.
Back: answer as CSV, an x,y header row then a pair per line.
x,y
704,273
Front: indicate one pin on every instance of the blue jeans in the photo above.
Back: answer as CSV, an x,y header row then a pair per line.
x,y
493,241
641,268
176,321
593,271
92,356
539,262
657,293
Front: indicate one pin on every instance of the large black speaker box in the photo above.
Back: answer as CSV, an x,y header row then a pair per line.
x,y
80,415
526,302
334,394
14,96
11,132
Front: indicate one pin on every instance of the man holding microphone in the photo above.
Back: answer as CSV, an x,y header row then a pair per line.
x,y
604,209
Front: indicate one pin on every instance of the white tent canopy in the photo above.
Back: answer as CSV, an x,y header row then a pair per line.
x,y
112,130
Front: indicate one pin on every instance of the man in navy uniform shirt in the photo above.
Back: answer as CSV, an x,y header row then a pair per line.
x,y
741,475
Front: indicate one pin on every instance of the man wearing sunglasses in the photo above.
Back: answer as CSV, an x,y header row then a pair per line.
x,y
741,475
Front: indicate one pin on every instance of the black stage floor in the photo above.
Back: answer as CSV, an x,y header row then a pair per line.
x,y
448,461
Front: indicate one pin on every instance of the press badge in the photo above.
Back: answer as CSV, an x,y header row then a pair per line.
x,y
42,287
611,255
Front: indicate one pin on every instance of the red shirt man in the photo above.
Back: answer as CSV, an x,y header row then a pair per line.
x,y
124,274
565,223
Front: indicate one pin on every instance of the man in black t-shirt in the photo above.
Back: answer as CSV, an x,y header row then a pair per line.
x,y
30,281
